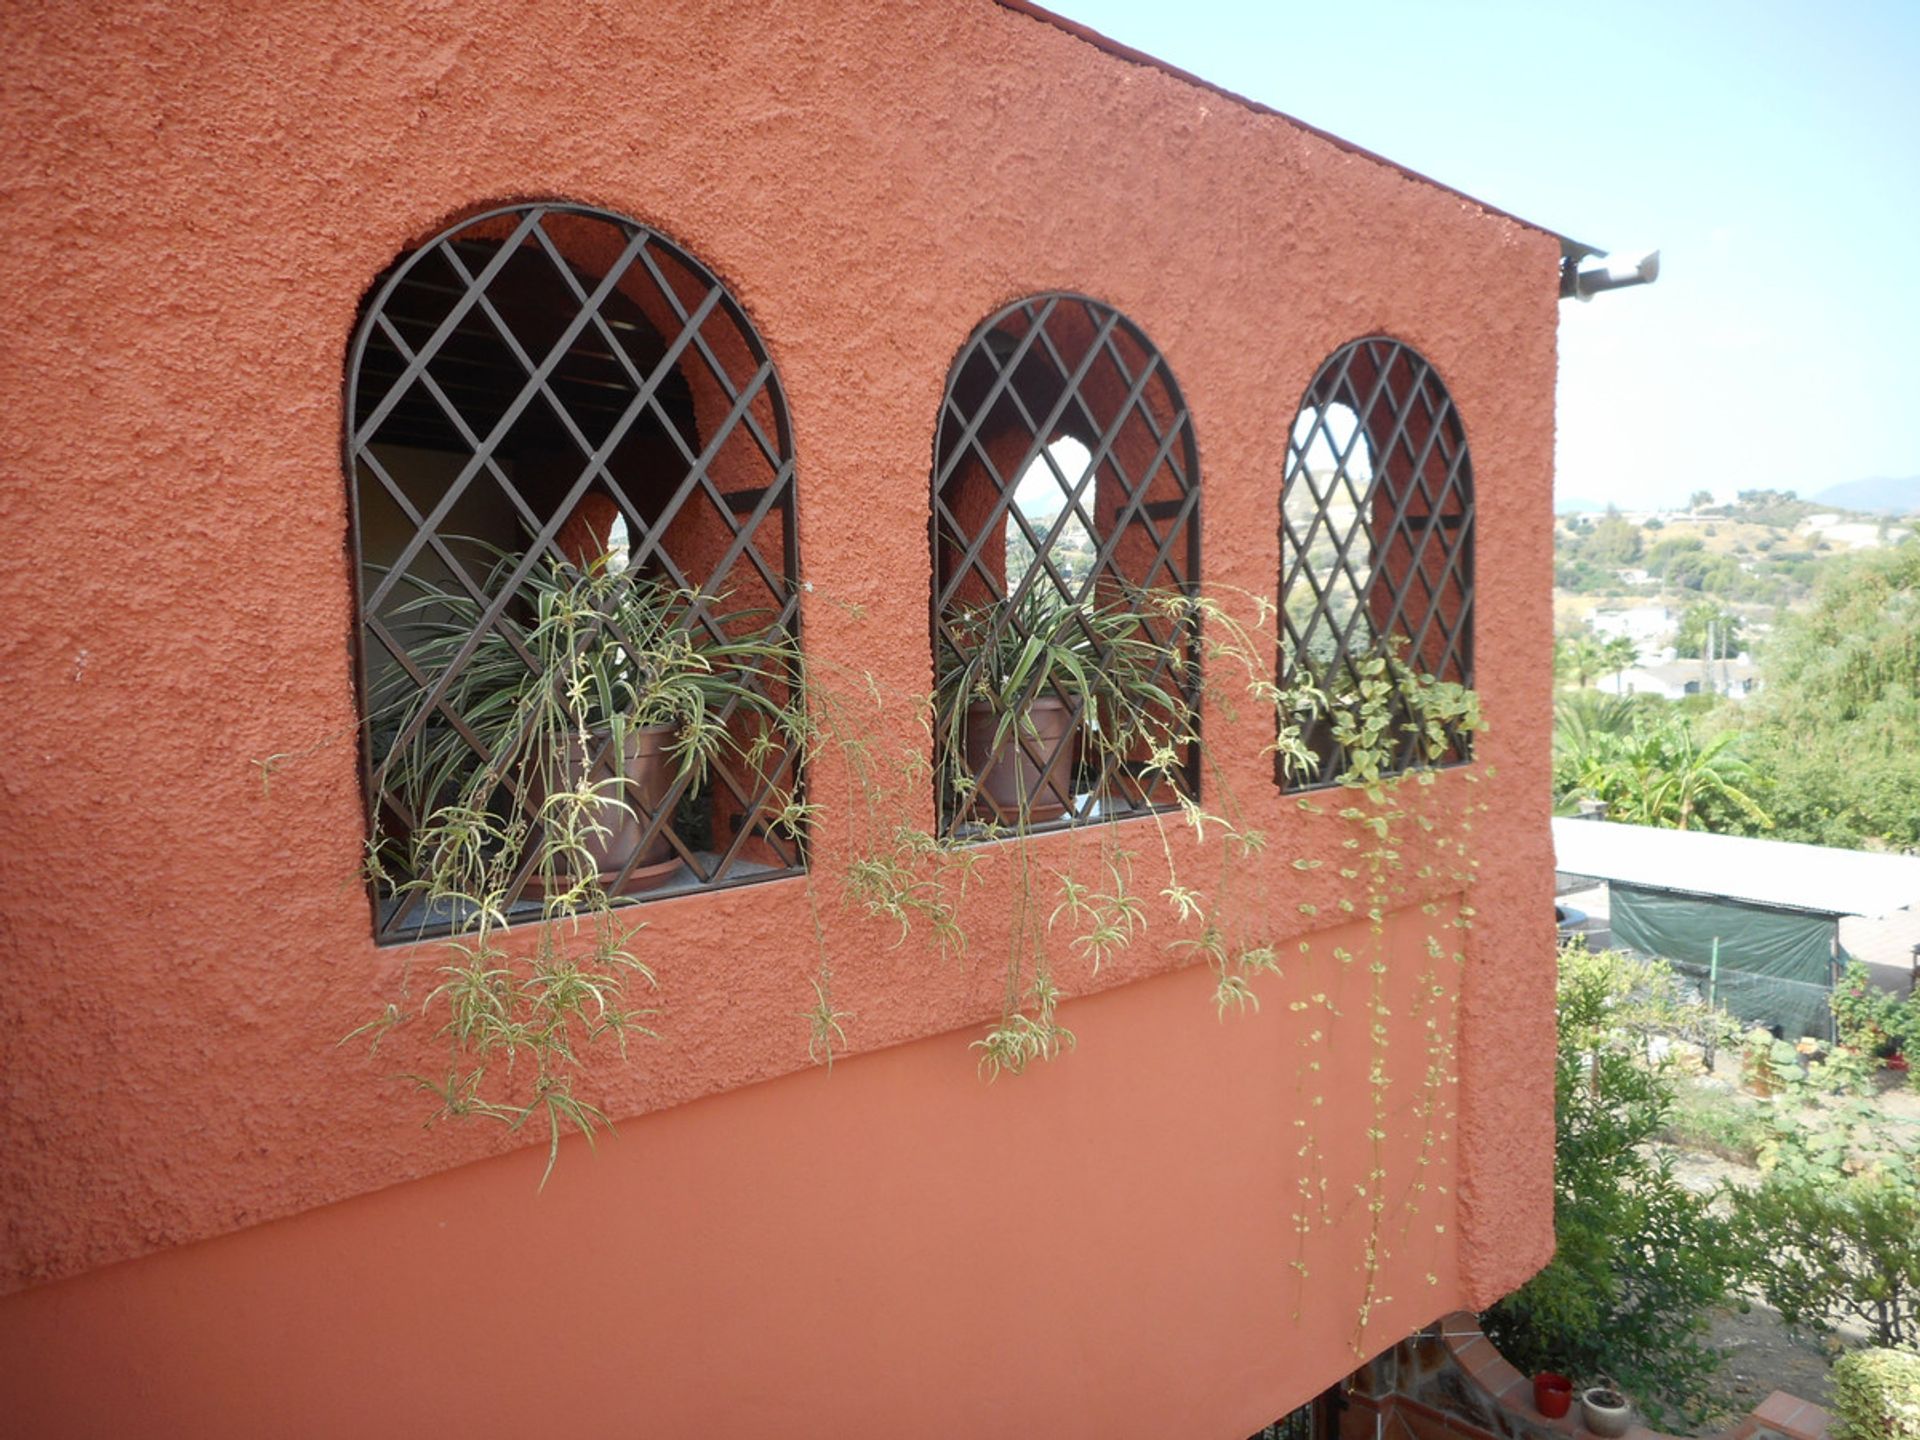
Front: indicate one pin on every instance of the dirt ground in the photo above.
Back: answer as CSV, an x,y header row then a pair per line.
x,y
1762,1352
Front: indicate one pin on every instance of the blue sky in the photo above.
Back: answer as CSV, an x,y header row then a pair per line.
x,y
1770,151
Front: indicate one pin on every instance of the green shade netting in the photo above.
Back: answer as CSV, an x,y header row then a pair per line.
x,y
1775,966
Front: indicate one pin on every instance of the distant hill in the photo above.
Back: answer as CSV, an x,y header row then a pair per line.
x,y
1576,505
1880,494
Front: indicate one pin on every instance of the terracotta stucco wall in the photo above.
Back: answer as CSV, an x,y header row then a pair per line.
x,y
198,196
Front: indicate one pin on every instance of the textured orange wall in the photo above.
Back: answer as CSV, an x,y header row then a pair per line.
x,y
895,1248
198,196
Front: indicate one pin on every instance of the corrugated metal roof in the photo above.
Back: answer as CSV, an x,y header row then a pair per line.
x,y
1779,873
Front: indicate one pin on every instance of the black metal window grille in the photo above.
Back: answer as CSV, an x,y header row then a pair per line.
x,y
1066,493
1302,1424
548,386
1376,536
1318,1419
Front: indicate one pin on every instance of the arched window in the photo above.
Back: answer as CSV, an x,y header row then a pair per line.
x,y
1066,543
571,475
1376,538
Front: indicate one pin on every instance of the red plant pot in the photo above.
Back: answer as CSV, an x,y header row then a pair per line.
x,y
1552,1394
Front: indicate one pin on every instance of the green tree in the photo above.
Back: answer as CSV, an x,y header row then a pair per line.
x,y
1638,1258
1585,721
1618,652
1832,1233
1690,640
1837,721
1663,772
1846,1247
1665,552
1615,540
1699,500
1578,658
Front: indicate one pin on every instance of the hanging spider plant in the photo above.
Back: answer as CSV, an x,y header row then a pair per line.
x,y
593,695
1022,684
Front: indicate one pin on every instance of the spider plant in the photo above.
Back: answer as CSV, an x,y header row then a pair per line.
x,y
581,660
997,661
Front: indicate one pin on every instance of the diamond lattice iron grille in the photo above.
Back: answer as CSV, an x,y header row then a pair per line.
x,y
1066,542
1301,1424
1376,537
539,394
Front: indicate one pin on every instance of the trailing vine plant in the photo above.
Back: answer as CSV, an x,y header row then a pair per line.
x,y
612,655
520,783
1379,709
1391,726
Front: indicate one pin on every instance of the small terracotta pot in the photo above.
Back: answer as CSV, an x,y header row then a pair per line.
x,y
1013,787
1605,1411
648,771
1552,1394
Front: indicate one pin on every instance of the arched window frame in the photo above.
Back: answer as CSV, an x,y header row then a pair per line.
x,y
1048,367
698,385
1379,551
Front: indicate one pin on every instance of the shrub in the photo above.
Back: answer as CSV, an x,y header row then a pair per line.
x,y
1871,1020
1876,1395
1639,1257
1836,1248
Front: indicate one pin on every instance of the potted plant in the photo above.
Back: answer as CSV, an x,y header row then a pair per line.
x,y
1756,1062
1377,707
1604,1410
1552,1394
1025,683
591,697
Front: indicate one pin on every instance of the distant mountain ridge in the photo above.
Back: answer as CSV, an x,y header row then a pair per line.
x,y
1881,494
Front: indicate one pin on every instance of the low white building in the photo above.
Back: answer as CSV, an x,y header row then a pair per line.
x,y
1675,679
1761,927
1854,534
1648,626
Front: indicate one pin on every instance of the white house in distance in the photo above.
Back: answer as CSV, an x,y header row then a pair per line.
x,y
1673,679
1648,626
1854,534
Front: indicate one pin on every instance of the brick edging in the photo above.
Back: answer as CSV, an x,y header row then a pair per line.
x,y
1509,1393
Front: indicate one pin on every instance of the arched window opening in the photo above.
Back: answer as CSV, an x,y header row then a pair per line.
x,y
1057,486
571,475
1376,539
1066,537
1325,498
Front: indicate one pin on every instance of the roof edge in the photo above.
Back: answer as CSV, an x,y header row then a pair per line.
x,y
1572,251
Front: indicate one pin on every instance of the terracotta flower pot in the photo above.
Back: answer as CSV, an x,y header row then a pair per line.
x,y
1552,1394
1014,789
1605,1411
648,770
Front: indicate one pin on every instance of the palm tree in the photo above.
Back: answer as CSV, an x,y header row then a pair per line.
x,y
1589,728
1617,654
1695,774
1577,658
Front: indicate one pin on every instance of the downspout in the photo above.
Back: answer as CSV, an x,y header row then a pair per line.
x,y
1583,282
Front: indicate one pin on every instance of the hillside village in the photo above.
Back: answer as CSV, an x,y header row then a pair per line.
x,y
1696,591
1757,652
